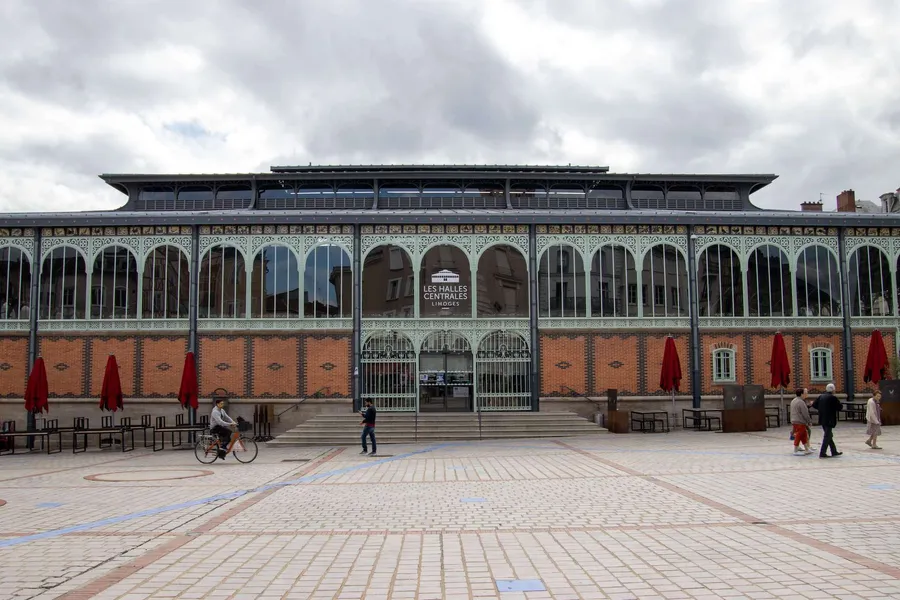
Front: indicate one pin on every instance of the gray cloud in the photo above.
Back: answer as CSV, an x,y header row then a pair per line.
x,y
143,83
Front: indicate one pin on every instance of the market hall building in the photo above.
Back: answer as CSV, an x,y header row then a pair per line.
x,y
437,288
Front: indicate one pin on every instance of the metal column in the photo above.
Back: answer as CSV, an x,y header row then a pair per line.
x,y
694,310
35,304
356,342
193,302
845,312
533,318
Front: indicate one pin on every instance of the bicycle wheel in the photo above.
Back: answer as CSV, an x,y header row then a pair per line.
x,y
206,450
245,450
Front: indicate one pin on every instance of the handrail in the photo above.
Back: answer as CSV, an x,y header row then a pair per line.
x,y
416,432
578,394
296,405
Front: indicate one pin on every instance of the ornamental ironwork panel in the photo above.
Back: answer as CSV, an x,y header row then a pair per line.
x,y
389,373
474,330
503,372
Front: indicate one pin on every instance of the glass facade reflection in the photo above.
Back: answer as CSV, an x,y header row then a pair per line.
x,y
502,283
388,284
328,283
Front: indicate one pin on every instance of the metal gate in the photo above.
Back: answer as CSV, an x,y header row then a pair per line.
x,y
503,368
389,372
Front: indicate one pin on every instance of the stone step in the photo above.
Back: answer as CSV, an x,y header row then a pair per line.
x,y
399,428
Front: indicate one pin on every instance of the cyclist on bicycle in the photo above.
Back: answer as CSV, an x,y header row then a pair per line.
x,y
220,424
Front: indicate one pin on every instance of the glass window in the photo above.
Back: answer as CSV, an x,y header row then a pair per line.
x,y
446,281
769,283
15,284
380,297
719,278
820,364
502,283
870,283
328,283
115,267
222,284
612,274
561,283
63,284
723,366
275,284
166,284
818,283
666,271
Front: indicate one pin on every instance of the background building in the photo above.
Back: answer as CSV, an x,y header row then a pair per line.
x,y
327,284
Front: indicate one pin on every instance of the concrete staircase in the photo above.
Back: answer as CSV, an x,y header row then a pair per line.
x,y
405,428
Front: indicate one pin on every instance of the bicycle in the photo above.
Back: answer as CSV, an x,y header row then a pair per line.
x,y
243,448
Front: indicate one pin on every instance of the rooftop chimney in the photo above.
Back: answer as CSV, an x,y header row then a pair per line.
x,y
846,201
811,206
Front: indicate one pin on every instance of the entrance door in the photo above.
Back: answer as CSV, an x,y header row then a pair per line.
x,y
445,382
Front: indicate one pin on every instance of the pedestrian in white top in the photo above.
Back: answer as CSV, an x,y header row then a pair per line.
x,y
873,420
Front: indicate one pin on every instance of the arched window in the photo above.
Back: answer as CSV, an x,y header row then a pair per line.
x,y
769,283
63,284
114,284
222,284
870,283
818,283
723,365
614,283
15,284
719,279
561,285
502,283
664,282
388,288
275,284
446,282
328,283
166,284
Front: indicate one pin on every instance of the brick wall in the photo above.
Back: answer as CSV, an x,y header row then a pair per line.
x,y
592,362
276,366
13,365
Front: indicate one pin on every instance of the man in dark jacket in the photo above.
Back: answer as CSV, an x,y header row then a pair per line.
x,y
828,406
368,424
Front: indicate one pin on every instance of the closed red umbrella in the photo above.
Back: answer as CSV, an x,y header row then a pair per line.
x,y
670,374
37,391
189,391
780,368
876,361
111,390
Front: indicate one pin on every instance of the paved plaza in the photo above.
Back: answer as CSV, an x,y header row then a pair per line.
x,y
679,515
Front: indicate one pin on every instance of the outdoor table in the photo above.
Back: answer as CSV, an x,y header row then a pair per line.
x,y
702,421
647,420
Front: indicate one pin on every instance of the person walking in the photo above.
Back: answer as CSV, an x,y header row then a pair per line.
x,y
801,421
368,424
873,420
828,406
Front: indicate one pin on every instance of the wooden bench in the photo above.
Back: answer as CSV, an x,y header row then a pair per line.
x,y
180,428
853,411
9,434
647,421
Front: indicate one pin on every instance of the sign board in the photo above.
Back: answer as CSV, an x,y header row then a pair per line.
x,y
754,396
732,397
446,292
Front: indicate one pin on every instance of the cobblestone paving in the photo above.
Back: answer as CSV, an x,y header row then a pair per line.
x,y
679,515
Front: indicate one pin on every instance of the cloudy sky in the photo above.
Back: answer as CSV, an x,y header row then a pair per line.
x,y
806,89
